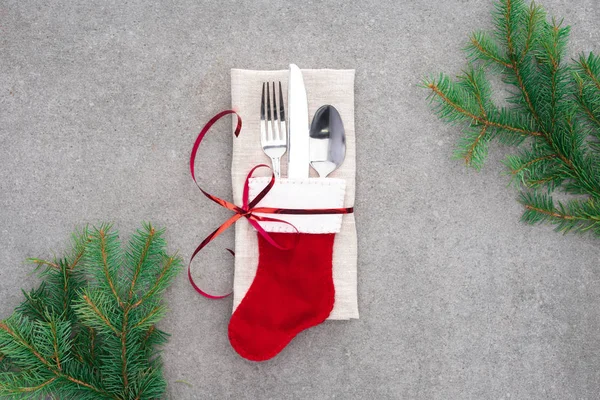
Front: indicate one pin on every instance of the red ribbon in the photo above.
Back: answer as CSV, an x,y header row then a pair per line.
x,y
248,208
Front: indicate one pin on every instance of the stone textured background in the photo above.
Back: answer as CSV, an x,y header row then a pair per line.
x,y
100,102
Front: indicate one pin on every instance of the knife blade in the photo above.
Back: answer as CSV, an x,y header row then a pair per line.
x,y
298,131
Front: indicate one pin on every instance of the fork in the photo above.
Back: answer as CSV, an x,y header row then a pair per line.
x,y
273,132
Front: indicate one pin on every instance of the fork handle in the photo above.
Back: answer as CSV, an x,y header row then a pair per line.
x,y
276,161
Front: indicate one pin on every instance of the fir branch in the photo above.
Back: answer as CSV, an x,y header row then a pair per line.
x,y
142,259
587,107
93,314
92,342
535,19
105,265
555,105
149,333
21,347
41,263
26,386
576,216
591,68
68,348
145,252
38,387
484,48
509,14
55,340
587,76
35,304
151,318
529,163
523,88
77,259
20,342
124,354
473,148
435,88
475,81
171,266
91,387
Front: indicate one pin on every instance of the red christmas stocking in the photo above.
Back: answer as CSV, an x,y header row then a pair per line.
x,y
292,291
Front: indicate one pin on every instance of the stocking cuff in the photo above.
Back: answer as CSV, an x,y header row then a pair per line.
x,y
309,193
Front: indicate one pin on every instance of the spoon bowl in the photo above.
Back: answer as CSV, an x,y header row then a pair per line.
x,y
327,141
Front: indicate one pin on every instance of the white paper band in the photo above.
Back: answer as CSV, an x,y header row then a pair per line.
x,y
301,194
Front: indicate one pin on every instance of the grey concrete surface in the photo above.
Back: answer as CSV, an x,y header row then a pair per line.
x,y
100,102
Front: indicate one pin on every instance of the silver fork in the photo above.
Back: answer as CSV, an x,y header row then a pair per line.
x,y
273,132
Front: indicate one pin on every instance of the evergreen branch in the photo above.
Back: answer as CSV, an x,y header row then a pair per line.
x,y
535,16
487,50
481,120
575,216
88,342
563,158
524,91
156,313
553,214
586,75
509,21
96,311
92,342
587,69
55,344
143,256
558,106
160,282
25,344
35,305
149,333
469,155
65,277
535,115
147,386
89,386
103,249
77,259
477,90
553,93
40,386
509,32
40,263
542,181
124,354
589,113
80,240
534,161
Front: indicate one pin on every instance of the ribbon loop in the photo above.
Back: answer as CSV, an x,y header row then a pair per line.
x,y
248,209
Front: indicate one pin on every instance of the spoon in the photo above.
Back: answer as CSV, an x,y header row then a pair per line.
x,y
327,140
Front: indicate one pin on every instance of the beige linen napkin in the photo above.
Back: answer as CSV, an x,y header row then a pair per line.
x,y
323,86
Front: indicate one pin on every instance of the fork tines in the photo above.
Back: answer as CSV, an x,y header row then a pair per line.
x,y
273,132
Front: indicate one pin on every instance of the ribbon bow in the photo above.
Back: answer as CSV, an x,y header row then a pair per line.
x,y
248,209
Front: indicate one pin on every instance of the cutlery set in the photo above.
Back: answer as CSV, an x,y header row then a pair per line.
x,y
322,146
284,281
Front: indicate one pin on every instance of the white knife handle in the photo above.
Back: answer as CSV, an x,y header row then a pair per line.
x,y
298,130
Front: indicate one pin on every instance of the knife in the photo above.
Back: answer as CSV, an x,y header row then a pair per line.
x,y
298,131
